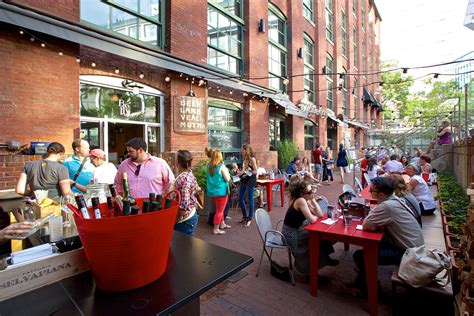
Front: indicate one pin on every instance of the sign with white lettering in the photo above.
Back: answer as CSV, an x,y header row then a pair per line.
x,y
190,115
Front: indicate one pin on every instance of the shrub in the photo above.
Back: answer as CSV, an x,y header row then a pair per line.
x,y
287,150
199,172
454,199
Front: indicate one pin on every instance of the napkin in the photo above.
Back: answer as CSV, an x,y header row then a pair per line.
x,y
328,221
31,253
359,227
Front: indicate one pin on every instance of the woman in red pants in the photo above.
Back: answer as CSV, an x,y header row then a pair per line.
x,y
217,177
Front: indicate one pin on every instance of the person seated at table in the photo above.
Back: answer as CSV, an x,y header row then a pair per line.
x,y
304,170
15,231
293,166
401,229
403,192
404,161
372,168
419,188
363,166
425,164
298,215
393,165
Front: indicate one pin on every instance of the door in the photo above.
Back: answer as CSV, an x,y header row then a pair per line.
x,y
119,134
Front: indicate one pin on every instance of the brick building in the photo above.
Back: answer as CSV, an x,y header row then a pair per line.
x,y
185,74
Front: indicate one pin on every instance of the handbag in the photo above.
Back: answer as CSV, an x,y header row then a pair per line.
x,y
421,266
330,165
199,199
279,272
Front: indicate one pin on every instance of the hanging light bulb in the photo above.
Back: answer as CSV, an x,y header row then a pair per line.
x,y
22,32
117,71
142,75
231,92
43,45
32,39
201,82
93,65
78,59
167,79
61,53
286,81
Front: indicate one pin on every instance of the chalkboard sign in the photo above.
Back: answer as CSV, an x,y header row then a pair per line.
x,y
190,115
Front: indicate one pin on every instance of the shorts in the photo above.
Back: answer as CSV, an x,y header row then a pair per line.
x,y
318,168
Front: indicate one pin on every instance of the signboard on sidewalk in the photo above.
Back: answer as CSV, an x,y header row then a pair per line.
x,y
190,115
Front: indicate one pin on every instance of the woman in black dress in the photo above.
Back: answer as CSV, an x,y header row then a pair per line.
x,y
342,161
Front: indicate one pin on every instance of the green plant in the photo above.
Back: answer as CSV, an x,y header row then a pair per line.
x,y
199,172
454,200
287,150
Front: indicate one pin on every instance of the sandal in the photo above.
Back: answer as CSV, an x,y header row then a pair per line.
x,y
224,227
219,232
247,223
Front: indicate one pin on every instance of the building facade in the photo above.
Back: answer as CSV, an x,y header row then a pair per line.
x,y
186,74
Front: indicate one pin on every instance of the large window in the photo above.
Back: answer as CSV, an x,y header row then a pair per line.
x,y
309,135
308,9
224,35
354,7
362,14
309,68
329,21
225,128
276,130
329,81
344,34
356,100
345,103
354,38
277,50
138,19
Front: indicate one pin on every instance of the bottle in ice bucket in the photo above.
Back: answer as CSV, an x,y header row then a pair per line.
x,y
155,206
159,199
152,197
118,204
146,206
126,190
81,205
95,207
168,203
126,208
134,210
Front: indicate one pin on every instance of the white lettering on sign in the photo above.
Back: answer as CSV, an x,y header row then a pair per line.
x,y
124,108
190,115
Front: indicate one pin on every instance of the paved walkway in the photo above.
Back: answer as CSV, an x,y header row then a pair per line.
x,y
267,295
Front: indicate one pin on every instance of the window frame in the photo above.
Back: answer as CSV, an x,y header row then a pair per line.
x,y
160,22
277,119
354,38
283,49
344,33
310,136
330,81
309,68
231,106
308,10
241,26
329,20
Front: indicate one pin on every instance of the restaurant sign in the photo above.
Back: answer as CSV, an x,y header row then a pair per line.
x,y
190,115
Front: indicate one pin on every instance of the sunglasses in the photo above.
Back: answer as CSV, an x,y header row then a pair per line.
x,y
373,191
137,171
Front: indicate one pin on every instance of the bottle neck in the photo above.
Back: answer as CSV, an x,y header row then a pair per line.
x,y
126,188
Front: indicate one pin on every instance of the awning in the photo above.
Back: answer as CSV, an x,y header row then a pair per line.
x,y
333,117
377,104
89,36
357,124
366,96
284,101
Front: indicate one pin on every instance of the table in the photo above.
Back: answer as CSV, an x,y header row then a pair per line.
x,y
194,267
269,188
339,232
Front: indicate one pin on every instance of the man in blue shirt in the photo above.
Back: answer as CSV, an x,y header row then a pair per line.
x,y
293,167
73,163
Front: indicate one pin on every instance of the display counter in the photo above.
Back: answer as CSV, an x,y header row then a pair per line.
x,y
194,267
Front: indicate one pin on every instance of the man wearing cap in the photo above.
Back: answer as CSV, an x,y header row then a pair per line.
x,y
79,166
146,173
105,171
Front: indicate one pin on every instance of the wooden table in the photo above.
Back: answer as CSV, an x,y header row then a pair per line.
x,y
194,267
269,188
339,232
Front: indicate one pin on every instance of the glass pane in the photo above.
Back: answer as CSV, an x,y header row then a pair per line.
x,y
95,12
223,118
89,101
150,8
231,6
148,32
153,134
232,156
224,139
90,131
121,22
152,108
272,27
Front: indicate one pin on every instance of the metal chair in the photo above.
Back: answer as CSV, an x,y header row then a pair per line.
x,y
271,238
323,204
348,189
367,178
358,183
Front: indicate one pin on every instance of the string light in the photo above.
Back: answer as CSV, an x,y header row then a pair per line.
x,y
43,45
93,65
436,75
117,71
167,79
22,32
141,75
61,53
78,59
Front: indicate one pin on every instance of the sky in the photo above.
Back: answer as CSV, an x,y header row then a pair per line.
x,y
424,32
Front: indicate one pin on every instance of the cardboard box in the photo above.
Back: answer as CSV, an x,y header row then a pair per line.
x,y
21,278
42,211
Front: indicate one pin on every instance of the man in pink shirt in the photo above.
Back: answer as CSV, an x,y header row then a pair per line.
x,y
146,173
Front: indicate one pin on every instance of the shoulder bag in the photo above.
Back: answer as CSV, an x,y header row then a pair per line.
x,y
420,267
280,272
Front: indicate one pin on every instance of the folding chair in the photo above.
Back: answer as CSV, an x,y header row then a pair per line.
x,y
367,178
346,188
271,238
323,204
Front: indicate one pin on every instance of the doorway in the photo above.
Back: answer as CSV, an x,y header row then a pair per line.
x,y
119,134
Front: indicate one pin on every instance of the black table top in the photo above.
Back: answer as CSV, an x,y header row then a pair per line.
x,y
194,267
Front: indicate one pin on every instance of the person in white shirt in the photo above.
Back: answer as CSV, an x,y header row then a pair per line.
x,y
419,188
104,171
394,165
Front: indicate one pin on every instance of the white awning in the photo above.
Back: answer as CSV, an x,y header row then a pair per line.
x,y
284,101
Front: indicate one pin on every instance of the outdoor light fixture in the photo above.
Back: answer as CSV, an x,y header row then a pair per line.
x,y
61,53
435,76
405,70
341,75
324,70
43,45
167,79
117,71
261,26
135,87
299,53
78,59
142,75
22,32
201,82
245,94
191,93
286,81
93,65
32,39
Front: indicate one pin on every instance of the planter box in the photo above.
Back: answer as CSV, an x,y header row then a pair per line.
x,y
23,278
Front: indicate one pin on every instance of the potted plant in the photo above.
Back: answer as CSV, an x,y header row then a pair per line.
x,y
199,172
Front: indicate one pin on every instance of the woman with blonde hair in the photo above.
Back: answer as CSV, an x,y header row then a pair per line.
x,y
403,192
217,177
248,181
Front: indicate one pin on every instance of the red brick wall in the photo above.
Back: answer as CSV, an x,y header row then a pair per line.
x,y
39,95
66,9
10,169
187,29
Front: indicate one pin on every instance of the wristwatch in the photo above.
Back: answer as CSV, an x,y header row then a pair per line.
x,y
73,184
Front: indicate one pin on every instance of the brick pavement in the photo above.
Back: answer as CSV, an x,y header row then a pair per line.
x,y
267,295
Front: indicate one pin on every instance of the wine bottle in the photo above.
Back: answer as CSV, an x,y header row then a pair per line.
x,y
126,208
81,204
95,207
110,203
155,206
152,197
118,204
126,190
168,203
134,210
146,206
159,200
